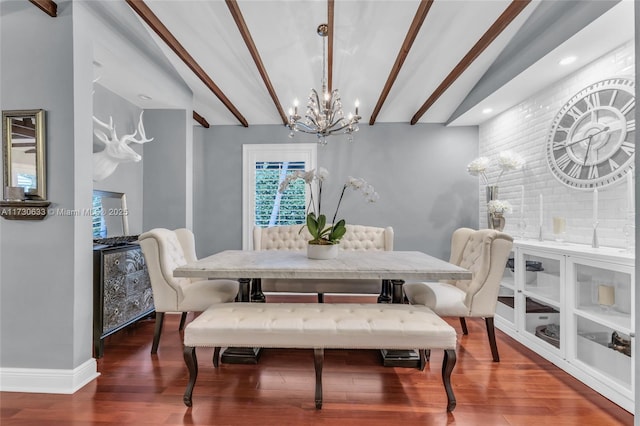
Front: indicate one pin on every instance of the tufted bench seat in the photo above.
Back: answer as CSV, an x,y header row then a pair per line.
x,y
318,326
289,237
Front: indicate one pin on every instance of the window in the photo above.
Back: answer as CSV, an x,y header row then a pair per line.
x,y
272,207
264,168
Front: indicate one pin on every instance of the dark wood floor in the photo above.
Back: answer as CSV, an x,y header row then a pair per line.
x,y
138,388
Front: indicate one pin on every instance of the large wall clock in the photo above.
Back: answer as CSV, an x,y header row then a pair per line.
x,y
592,139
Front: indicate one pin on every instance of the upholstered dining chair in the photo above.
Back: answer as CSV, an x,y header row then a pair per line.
x,y
484,252
164,250
290,237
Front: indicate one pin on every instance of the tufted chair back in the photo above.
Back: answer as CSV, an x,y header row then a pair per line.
x,y
164,251
289,237
484,252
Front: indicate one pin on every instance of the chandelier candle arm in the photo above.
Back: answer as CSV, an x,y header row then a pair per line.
x,y
323,117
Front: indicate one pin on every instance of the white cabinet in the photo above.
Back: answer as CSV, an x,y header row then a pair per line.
x,y
573,305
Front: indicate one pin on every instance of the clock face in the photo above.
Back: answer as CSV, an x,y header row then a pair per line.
x,y
592,140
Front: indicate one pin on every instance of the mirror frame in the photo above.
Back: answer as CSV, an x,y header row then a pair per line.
x,y
123,206
40,192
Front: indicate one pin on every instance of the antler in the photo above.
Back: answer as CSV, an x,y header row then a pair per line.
x,y
143,136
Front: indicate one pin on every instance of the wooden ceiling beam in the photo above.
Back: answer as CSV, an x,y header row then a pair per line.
x,y
253,50
330,20
47,6
140,7
509,14
416,24
200,119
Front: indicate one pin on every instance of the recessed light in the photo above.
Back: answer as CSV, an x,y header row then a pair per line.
x,y
144,97
568,60
487,110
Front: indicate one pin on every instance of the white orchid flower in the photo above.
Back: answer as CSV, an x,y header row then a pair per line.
x,y
308,176
322,174
355,183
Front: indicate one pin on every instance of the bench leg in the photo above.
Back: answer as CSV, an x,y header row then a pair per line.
x,y
216,356
463,324
448,363
192,365
318,358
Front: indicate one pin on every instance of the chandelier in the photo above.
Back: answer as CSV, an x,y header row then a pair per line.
x,y
323,116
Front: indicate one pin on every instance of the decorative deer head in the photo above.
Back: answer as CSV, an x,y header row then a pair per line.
x,y
116,150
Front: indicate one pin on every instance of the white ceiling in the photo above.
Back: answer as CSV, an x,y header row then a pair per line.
x,y
367,38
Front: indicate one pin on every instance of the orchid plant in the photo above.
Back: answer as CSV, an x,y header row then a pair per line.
x,y
507,161
322,232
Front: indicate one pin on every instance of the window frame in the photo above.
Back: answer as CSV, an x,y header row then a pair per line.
x,y
252,153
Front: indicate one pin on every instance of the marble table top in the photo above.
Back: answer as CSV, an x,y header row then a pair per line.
x,y
401,265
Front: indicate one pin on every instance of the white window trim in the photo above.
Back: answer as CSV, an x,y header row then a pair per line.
x,y
252,153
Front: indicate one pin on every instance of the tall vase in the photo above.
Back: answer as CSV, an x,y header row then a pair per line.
x,y
497,221
492,194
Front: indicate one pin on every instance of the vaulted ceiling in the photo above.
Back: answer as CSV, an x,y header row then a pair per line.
x,y
411,61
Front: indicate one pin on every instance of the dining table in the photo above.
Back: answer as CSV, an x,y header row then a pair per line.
x,y
392,268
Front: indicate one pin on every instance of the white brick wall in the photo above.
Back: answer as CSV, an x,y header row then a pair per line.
x,y
524,129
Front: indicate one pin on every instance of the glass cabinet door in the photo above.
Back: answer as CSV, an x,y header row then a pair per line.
x,y
541,297
506,294
602,320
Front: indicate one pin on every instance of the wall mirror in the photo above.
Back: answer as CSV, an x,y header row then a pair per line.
x,y
23,148
110,214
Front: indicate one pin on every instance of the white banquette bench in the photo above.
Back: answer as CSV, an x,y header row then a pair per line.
x,y
357,238
320,326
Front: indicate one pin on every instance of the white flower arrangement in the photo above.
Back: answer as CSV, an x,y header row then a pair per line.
x,y
497,206
507,161
322,232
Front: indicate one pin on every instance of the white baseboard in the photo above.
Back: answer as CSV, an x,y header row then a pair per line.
x,y
43,380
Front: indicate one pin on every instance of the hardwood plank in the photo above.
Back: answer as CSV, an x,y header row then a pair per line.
x,y
138,388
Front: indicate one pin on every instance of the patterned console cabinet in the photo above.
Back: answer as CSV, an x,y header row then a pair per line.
x,y
121,291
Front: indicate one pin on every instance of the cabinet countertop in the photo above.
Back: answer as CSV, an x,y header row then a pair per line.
x,y
614,254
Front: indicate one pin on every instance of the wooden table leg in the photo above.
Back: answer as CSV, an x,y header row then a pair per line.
x,y
399,358
246,293
385,292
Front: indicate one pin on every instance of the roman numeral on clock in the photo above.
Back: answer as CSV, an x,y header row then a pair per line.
x,y
575,170
628,148
593,172
563,160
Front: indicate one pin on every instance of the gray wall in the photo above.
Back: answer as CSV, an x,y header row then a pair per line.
x,y
419,172
165,172
45,266
127,177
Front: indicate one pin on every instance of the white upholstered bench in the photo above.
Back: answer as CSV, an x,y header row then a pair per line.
x,y
318,326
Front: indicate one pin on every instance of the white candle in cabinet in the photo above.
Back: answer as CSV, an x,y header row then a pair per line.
x,y
606,295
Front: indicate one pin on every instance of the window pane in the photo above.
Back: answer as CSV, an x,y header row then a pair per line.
x,y
272,207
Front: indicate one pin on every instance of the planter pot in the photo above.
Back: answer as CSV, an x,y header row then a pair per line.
x,y
322,251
